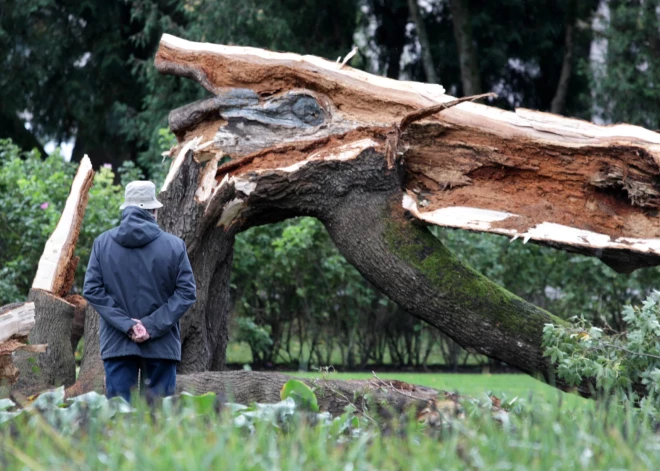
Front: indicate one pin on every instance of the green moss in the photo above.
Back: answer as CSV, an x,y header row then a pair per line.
x,y
464,285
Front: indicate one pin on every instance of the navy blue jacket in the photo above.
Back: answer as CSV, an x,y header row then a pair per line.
x,y
138,271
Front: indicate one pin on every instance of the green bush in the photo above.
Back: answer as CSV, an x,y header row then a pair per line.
x,y
33,191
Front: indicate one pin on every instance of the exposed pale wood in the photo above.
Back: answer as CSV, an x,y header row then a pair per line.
x,y
13,345
560,181
16,320
57,264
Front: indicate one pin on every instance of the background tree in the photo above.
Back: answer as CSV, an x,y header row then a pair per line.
x,y
627,72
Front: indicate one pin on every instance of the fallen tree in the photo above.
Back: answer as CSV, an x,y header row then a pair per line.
x,y
377,160
381,397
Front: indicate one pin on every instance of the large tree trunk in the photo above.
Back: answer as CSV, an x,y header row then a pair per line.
x,y
467,51
310,137
425,44
307,137
33,369
56,366
374,396
558,104
190,211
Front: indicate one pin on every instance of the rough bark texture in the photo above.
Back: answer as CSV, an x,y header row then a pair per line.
x,y
425,44
204,333
357,200
246,387
56,366
343,158
91,376
78,324
558,104
467,52
529,175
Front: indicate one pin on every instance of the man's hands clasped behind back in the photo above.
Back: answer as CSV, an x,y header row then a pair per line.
x,y
138,332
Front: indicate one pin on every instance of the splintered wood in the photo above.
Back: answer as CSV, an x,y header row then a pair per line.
x,y
529,175
57,265
16,320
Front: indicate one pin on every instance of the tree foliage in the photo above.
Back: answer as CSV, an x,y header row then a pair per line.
x,y
626,80
613,362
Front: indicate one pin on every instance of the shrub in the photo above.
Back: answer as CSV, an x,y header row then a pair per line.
x,y
33,191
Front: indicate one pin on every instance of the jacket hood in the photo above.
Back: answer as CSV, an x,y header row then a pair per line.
x,y
137,229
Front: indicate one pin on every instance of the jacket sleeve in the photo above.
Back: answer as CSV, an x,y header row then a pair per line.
x,y
95,293
162,319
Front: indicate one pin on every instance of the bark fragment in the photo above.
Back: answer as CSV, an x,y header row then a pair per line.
x,y
57,265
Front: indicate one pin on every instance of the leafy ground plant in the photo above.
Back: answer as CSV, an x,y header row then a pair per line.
x,y
188,434
614,362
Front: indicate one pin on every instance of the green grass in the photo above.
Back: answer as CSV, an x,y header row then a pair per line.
x,y
540,435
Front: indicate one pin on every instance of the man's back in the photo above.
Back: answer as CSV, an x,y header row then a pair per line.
x,y
146,275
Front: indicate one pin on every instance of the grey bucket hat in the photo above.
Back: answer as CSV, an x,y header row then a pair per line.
x,y
141,194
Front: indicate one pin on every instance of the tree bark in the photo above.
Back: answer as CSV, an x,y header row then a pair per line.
x,y
309,138
30,370
425,44
467,52
334,396
56,366
78,324
527,175
91,376
190,212
558,104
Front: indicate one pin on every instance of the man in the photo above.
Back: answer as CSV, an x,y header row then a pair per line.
x,y
140,282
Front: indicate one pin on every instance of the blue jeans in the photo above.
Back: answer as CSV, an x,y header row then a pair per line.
x,y
157,377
